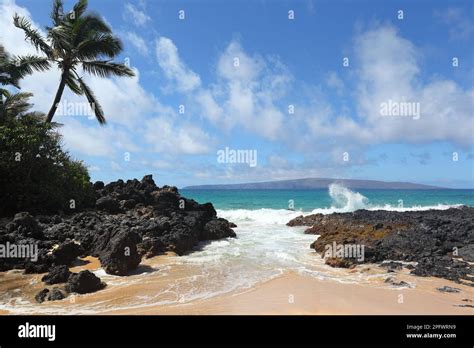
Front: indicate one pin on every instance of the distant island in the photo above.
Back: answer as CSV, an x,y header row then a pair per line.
x,y
315,183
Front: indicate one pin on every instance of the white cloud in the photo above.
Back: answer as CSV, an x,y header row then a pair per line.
x,y
169,137
138,42
460,23
248,90
388,69
124,100
210,108
245,94
10,36
334,81
235,65
139,17
185,80
95,141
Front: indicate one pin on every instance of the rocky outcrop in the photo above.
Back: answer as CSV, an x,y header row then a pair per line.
x,y
108,204
84,282
217,229
56,294
65,253
119,254
58,274
40,297
439,242
131,219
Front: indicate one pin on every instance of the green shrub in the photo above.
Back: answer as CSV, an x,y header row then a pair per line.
x,y
36,175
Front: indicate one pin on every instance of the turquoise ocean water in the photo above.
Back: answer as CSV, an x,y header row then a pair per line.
x,y
338,198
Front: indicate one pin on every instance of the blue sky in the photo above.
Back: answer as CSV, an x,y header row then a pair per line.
x,y
282,62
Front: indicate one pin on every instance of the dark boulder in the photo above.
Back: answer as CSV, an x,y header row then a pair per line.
x,y
66,253
400,284
24,225
108,204
448,289
120,255
41,265
392,266
467,252
59,232
148,181
127,204
217,229
40,297
58,274
55,294
181,238
339,262
98,185
166,200
84,282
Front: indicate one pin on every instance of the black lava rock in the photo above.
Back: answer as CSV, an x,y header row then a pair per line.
x,y
108,204
55,295
448,289
120,255
84,282
58,274
66,253
40,297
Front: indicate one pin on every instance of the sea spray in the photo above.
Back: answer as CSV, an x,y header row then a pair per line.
x,y
347,200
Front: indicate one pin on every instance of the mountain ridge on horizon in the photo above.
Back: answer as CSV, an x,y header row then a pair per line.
x,y
316,183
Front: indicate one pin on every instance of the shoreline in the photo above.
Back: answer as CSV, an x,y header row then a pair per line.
x,y
296,294
290,293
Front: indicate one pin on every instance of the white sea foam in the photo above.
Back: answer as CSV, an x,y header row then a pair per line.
x,y
345,199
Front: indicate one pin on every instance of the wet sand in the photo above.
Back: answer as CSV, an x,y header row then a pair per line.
x,y
290,293
295,294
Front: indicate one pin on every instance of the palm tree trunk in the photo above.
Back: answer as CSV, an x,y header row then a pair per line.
x,y
57,98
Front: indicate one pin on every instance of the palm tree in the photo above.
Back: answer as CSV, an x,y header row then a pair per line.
x,y
14,105
12,69
77,40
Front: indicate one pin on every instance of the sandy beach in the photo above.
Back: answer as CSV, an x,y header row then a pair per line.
x,y
293,294
290,293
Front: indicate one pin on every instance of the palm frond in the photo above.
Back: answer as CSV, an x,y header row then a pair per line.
x,y
13,68
37,115
89,26
99,45
4,93
107,68
14,105
73,85
32,35
60,38
99,113
27,64
79,8
57,12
